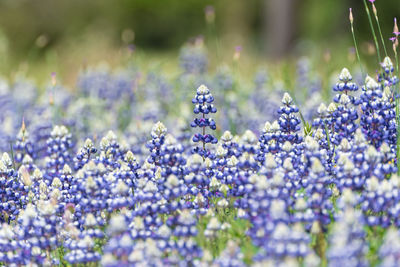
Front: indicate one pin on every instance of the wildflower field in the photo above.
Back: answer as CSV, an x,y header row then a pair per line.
x,y
205,165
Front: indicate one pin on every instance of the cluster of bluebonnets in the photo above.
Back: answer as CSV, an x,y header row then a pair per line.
x,y
271,184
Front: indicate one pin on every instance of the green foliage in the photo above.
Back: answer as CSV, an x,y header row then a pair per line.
x,y
235,230
374,238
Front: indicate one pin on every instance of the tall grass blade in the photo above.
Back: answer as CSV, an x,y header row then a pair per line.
x,y
373,32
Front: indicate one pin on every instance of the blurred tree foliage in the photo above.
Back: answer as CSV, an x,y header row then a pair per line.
x,y
328,19
166,24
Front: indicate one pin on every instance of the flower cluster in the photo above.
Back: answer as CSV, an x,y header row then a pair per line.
x,y
284,193
203,105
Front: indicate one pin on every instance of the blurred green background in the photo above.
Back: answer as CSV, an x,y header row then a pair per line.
x,y
64,35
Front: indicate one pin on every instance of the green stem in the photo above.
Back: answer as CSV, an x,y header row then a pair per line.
x,y
373,31
213,36
327,136
356,47
12,155
380,33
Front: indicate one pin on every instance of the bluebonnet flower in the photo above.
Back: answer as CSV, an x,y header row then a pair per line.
x,y
387,165
13,190
92,226
84,154
348,169
387,76
212,228
40,125
343,120
90,192
229,178
175,189
345,84
110,151
312,150
120,245
389,251
269,167
203,105
198,181
267,210
157,87
101,83
172,159
290,158
193,58
339,175
264,102
127,172
285,242
317,188
11,250
288,121
35,183
154,145
39,230
81,250
231,256
220,161
58,151
223,83
248,148
23,145
148,197
184,228
378,202
184,134
311,104
269,140
340,118
291,174
163,239
303,75
347,241
285,129
357,161
143,253
146,227
378,117
27,163
147,171
231,117
24,92
309,86
132,162
230,143
121,195
324,124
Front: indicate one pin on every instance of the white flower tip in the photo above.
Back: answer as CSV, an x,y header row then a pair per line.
x,y
387,63
332,107
227,136
88,143
287,99
203,90
370,83
345,75
322,109
158,129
